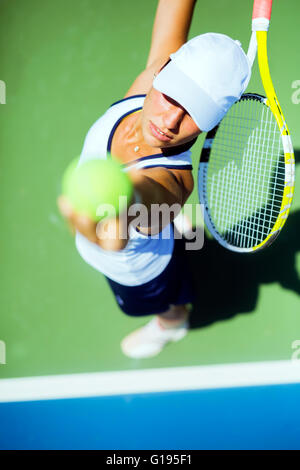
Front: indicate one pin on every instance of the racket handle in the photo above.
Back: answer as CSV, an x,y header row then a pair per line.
x,y
262,10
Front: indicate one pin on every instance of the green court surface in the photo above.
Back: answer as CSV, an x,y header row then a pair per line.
x,y
63,63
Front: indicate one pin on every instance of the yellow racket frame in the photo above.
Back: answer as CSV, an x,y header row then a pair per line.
x,y
289,159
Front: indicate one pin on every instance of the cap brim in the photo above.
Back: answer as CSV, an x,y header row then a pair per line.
x,y
174,83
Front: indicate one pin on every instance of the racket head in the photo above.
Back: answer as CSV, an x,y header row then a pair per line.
x,y
246,176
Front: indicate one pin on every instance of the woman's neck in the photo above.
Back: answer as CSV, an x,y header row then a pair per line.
x,y
128,142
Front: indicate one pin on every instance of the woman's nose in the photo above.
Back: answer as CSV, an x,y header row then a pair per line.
x,y
173,117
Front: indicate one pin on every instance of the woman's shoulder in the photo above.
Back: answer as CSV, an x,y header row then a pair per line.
x,y
129,101
99,136
117,111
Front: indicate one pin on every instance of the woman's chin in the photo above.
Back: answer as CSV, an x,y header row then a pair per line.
x,y
156,143
151,141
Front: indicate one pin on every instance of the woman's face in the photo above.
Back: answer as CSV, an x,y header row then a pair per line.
x,y
165,123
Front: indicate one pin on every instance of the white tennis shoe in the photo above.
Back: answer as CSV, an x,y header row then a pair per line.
x,y
149,340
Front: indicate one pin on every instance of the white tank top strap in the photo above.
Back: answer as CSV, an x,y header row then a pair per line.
x,y
98,139
182,161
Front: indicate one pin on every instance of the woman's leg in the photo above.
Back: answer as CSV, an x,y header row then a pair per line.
x,y
173,317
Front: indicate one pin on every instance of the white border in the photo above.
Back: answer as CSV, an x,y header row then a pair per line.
x,y
150,380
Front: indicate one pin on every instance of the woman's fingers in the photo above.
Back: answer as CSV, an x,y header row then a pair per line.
x,y
66,211
86,227
108,234
76,221
64,207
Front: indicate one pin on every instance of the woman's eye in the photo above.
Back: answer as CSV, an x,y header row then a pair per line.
x,y
170,100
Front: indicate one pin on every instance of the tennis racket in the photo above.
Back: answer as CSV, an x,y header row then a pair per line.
x,y
247,165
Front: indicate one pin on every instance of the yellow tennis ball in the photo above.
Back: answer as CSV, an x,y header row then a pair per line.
x,y
97,188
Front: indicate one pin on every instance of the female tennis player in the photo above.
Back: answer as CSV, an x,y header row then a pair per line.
x,y
185,89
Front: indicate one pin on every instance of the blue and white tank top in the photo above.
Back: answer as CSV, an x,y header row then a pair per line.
x,y
144,257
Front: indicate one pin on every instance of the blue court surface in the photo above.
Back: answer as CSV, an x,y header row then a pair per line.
x,y
241,418
236,417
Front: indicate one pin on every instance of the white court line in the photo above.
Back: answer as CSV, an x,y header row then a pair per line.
x,y
149,380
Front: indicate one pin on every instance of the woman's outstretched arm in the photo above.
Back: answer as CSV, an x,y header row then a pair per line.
x,y
170,31
171,27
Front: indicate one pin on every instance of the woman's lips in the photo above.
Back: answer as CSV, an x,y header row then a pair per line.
x,y
156,131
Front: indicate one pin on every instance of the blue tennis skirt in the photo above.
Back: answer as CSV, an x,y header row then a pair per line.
x,y
172,287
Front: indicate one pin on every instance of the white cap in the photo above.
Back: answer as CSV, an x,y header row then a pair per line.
x,y
206,76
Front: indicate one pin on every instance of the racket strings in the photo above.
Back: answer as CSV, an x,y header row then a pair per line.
x,y
246,174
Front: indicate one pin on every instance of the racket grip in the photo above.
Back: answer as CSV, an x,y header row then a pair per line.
x,y
262,9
